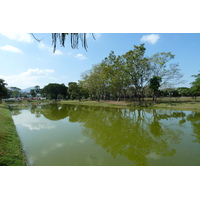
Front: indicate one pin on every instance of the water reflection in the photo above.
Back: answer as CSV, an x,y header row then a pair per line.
x,y
139,135
31,122
194,118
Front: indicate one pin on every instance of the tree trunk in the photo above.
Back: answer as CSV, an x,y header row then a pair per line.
x,y
139,98
119,96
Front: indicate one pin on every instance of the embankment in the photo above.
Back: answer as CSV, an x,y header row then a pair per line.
x,y
11,153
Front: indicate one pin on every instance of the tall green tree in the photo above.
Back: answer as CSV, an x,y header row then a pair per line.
x,y
37,89
137,67
52,90
96,82
32,92
15,92
195,89
74,91
154,86
116,77
169,72
184,91
196,82
3,89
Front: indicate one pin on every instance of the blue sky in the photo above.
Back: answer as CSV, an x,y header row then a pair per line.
x,y
25,63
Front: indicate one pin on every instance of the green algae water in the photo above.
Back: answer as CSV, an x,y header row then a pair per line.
x,y
71,135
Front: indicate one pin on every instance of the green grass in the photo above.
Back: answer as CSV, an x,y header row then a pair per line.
x,y
11,153
183,103
95,103
179,106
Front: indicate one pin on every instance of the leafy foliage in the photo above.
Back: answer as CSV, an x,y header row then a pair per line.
x,y
3,89
74,90
130,74
52,90
154,85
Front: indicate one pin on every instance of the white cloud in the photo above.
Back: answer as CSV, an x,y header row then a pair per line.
x,y
29,78
11,49
152,39
21,37
80,56
58,52
41,45
37,72
33,123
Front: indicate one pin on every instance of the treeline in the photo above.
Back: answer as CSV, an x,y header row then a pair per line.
x,y
132,76
60,91
50,91
76,91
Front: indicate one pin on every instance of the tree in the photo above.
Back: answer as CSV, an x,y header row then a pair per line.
x,y
137,67
95,82
184,91
154,86
116,77
3,89
33,93
195,89
54,89
15,92
74,90
130,75
170,74
37,89
196,83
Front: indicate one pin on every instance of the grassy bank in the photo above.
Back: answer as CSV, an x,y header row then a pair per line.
x,y
192,106
120,104
11,153
185,103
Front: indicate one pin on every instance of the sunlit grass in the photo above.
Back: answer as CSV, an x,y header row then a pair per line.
x,y
183,103
11,153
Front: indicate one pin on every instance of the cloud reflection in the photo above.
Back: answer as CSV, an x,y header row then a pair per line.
x,y
33,123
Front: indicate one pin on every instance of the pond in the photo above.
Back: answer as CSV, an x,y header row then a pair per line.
x,y
72,135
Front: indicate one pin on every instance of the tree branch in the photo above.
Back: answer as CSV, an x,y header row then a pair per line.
x,y
36,38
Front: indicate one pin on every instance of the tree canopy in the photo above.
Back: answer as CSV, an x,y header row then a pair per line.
x,y
195,89
131,74
3,89
53,90
154,85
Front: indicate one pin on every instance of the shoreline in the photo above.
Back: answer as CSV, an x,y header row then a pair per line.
x,y
11,151
174,105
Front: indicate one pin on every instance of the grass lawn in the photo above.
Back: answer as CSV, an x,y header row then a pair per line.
x,y
183,103
95,103
11,153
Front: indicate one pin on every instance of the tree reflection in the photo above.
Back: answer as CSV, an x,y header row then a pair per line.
x,y
36,109
132,133
194,118
136,134
15,111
